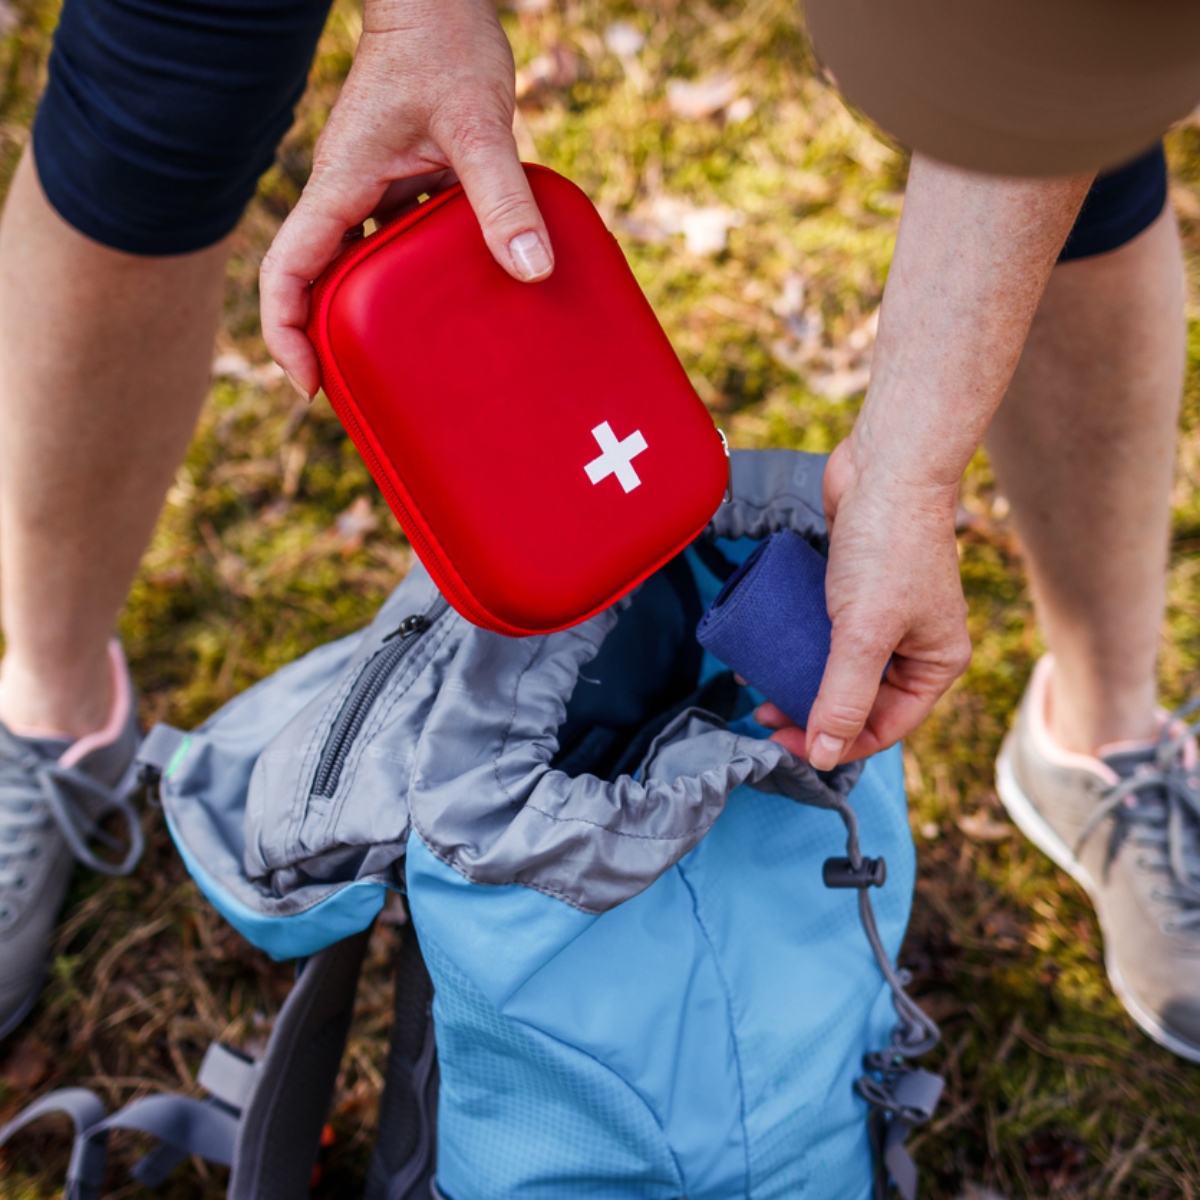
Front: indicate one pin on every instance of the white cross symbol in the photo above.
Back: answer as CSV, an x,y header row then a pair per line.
x,y
617,457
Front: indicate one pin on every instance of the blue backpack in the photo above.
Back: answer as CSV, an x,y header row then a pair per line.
x,y
643,958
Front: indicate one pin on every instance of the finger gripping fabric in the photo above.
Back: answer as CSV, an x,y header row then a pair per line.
x,y
769,623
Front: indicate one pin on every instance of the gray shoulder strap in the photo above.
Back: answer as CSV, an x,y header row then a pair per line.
x,y
280,1129
405,1137
263,1119
85,1173
181,1124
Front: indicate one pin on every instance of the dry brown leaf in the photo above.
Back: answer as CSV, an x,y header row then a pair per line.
x,y
294,456
840,384
705,228
742,109
394,912
232,365
693,100
979,827
553,70
624,40
352,525
28,1066
976,1191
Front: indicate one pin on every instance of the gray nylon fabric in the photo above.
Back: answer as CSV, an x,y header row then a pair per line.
x,y
263,1118
85,1110
914,1099
461,741
183,1126
189,1125
483,798
204,797
159,747
773,489
280,1128
227,1075
457,747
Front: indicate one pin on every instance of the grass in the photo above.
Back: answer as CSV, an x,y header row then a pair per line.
x,y
273,540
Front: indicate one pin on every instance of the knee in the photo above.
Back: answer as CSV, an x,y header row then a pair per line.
x,y
158,119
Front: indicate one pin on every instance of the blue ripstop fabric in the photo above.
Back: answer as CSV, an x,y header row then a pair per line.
x,y
700,1040
293,935
769,623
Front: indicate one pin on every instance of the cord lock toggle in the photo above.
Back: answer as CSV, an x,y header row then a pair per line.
x,y
840,873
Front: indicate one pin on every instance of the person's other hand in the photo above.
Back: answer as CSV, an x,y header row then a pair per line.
x,y
894,593
429,100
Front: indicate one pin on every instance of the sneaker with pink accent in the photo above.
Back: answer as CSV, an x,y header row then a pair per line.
x,y
55,797
1126,826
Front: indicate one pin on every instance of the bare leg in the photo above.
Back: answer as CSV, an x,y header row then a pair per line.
x,y
1084,447
104,362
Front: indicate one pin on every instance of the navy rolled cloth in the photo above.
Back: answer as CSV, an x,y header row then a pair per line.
x,y
769,623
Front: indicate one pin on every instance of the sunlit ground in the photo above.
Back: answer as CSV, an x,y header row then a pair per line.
x,y
760,219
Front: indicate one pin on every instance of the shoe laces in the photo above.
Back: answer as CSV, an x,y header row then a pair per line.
x,y
1157,807
37,793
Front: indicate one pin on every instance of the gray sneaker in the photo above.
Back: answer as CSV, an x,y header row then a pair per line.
x,y
1126,827
54,794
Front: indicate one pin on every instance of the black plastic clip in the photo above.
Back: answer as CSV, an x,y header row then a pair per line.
x,y
840,873
149,775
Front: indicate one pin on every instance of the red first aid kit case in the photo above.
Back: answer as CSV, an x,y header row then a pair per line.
x,y
540,443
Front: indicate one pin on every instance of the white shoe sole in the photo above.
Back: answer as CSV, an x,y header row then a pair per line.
x,y
1035,827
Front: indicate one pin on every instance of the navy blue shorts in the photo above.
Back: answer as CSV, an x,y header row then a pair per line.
x,y
160,115
1119,206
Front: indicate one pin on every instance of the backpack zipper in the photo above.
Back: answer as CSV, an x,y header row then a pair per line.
x,y
365,692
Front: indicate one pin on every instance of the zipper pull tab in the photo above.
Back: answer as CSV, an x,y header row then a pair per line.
x,y
409,626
